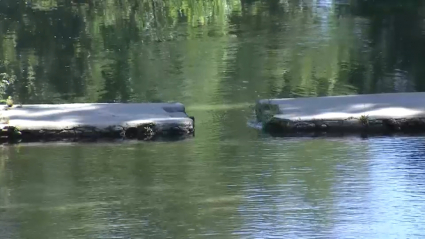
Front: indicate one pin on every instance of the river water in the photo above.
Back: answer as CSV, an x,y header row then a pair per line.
x,y
216,57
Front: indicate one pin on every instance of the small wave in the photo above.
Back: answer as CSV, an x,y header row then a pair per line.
x,y
254,124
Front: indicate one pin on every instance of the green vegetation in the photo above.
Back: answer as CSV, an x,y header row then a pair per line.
x,y
364,120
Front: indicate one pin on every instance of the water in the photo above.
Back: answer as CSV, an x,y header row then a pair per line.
x,y
216,57
246,188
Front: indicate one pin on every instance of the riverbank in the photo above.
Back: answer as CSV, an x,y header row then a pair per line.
x,y
143,121
372,114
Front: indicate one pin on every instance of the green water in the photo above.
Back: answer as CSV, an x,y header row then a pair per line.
x,y
216,57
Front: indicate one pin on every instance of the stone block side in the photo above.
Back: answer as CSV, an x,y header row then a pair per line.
x,y
363,124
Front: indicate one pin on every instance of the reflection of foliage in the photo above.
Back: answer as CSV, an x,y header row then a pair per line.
x,y
397,45
5,81
75,41
132,49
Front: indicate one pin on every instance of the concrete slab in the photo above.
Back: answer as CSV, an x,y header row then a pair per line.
x,y
129,120
372,112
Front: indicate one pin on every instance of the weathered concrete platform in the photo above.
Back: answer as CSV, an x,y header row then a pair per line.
x,y
373,113
100,120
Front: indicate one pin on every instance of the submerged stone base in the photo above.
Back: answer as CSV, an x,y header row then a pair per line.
x,y
362,125
77,122
150,131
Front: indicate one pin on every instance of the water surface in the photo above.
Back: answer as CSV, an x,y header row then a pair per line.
x,y
216,57
222,188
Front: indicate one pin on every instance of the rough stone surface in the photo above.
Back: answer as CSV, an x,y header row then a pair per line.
x,y
374,113
132,120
